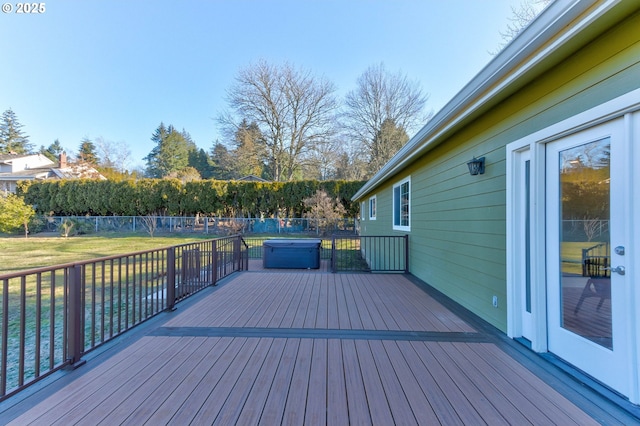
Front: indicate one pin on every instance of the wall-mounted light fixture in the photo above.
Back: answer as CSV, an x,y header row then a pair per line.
x,y
476,166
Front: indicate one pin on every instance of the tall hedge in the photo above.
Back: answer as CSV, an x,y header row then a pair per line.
x,y
172,197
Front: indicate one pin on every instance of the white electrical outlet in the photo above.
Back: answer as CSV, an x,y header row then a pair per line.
x,y
495,301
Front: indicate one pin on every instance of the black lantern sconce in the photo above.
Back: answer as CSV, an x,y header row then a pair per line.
x,y
476,166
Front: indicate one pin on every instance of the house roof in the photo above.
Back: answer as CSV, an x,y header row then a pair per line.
x,y
560,29
46,169
9,158
252,178
39,173
4,158
78,171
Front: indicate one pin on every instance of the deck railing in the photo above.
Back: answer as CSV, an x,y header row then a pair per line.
x,y
355,253
50,317
370,253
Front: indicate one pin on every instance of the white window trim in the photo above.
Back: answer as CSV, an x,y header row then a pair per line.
x,y
393,205
373,211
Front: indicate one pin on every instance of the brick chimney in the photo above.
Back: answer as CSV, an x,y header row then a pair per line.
x,y
62,160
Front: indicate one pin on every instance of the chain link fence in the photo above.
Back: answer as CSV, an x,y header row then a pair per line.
x,y
75,225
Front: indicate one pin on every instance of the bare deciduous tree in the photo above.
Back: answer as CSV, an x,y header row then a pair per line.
x,y
150,223
114,155
521,17
292,108
324,210
382,97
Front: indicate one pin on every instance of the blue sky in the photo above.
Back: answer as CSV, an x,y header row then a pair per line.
x,y
115,69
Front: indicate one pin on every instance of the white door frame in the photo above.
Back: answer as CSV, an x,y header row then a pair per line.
x,y
627,106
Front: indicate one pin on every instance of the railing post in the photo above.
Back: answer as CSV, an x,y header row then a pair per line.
x,y
74,331
236,254
333,254
246,255
214,262
171,278
406,254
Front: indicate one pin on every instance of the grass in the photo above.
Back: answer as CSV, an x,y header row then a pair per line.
x,y
571,255
17,254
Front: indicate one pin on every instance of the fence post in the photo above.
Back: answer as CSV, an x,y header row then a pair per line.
x,y
74,331
214,262
171,278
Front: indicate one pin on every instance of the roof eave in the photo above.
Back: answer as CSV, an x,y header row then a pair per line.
x,y
531,47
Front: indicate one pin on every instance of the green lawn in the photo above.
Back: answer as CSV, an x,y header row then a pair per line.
x,y
18,253
571,255
25,253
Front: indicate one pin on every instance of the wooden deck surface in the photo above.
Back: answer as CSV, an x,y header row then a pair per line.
x,y
302,348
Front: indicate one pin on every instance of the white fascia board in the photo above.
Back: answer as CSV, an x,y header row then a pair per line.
x,y
514,61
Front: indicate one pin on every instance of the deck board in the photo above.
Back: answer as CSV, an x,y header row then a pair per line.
x,y
337,408
316,404
165,393
297,396
416,398
544,401
359,370
275,404
237,389
257,398
358,405
499,404
208,380
376,397
397,399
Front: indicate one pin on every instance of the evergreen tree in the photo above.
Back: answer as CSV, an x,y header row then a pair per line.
x,y
191,145
171,153
250,150
53,151
87,152
199,160
12,140
223,163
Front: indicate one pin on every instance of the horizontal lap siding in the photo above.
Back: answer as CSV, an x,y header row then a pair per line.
x,y
458,221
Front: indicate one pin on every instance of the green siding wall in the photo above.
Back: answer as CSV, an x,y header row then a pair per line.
x,y
458,222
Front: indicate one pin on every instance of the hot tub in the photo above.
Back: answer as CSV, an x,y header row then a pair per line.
x,y
292,254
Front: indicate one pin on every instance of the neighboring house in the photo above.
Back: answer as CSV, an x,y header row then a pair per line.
x,y
536,245
252,178
17,167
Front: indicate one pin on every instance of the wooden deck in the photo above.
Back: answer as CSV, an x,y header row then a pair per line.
x,y
308,348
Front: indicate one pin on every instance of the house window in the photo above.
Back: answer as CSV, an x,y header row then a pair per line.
x,y
402,205
372,208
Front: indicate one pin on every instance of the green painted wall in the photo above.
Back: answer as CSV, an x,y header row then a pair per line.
x,y
458,221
